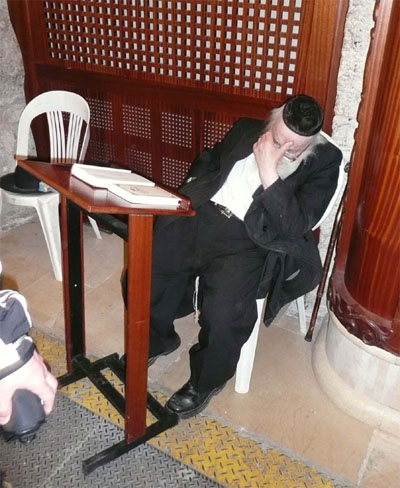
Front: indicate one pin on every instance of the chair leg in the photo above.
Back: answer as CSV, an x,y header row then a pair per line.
x,y
49,218
302,315
244,367
95,227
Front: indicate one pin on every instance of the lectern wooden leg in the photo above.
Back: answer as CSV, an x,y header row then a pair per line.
x,y
140,239
73,281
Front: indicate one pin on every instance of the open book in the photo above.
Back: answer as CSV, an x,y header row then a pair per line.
x,y
103,177
140,194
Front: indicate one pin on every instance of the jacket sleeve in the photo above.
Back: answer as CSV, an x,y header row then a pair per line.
x,y
204,163
290,208
209,160
16,348
14,317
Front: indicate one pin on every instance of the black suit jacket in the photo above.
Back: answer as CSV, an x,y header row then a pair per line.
x,y
280,217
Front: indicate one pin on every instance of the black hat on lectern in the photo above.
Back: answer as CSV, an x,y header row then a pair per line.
x,y
303,115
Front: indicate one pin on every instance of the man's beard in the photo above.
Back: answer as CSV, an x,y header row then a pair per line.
x,y
286,167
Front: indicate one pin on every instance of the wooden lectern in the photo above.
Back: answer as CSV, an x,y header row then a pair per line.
x,y
77,198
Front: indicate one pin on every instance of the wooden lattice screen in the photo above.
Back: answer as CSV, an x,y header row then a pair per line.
x,y
166,78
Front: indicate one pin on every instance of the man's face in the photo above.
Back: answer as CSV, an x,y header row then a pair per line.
x,y
282,134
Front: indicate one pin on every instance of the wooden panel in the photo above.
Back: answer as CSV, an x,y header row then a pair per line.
x,y
164,79
242,47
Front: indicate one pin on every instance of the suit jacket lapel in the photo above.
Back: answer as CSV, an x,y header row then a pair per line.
x,y
239,149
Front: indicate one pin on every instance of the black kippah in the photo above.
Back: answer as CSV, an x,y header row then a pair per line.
x,y
303,115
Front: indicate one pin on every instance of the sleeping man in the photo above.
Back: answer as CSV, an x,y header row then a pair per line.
x,y
257,195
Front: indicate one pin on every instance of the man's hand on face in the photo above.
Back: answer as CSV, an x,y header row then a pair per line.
x,y
33,376
268,155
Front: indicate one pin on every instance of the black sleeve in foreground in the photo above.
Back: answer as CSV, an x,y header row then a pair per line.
x,y
14,318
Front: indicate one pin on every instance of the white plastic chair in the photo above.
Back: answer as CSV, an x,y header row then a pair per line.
x,y
65,147
244,367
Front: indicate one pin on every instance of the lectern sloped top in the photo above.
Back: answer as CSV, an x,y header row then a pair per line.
x,y
96,200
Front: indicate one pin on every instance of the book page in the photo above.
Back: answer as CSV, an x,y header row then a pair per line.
x,y
144,194
103,177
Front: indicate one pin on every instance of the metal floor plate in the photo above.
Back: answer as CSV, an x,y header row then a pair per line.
x,y
215,450
54,458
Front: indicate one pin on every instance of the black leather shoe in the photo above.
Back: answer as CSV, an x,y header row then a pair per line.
x,y
187,401
152,359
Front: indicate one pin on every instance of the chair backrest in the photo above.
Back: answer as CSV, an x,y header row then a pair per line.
x,y
63,109
338,187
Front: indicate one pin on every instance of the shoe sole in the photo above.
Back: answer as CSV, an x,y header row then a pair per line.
x,y
173,348
200,408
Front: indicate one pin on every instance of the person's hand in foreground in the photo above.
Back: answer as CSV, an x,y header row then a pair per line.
x,y
33,376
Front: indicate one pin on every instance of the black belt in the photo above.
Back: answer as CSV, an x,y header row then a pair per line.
x,y
224,210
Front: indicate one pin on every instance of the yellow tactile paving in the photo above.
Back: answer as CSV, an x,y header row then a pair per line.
x,y
202,443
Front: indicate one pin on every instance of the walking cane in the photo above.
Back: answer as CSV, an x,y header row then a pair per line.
x,y
329,253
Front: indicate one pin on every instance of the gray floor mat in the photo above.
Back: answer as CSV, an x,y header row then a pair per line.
x,y
73,433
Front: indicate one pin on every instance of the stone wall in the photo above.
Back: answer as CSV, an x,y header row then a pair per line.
x,y
12,102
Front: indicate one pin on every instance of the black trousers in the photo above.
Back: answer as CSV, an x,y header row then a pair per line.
x,y
217,249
